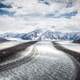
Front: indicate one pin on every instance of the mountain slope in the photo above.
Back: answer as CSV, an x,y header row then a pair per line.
x,y
40,34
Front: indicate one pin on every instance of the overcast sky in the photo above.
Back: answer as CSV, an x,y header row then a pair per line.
x,y
27,15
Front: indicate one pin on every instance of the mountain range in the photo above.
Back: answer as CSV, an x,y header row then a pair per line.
x,y
40,34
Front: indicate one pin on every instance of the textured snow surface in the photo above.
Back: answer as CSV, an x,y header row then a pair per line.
x,y
48,64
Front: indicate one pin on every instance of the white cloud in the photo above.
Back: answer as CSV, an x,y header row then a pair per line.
x,y
20,22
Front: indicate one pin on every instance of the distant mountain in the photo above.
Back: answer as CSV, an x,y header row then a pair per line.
x,y
34,35
76,41
50,35
3,40
40,34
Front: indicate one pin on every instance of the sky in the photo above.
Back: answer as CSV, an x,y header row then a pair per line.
x,y
28,15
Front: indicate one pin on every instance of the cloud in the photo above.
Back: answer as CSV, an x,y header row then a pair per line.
x,y
27,15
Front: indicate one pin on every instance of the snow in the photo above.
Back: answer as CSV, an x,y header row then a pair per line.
x,y
42,34
71,46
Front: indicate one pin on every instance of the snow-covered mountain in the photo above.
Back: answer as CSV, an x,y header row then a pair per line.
x,y
34,35
41,34
56,35
3,40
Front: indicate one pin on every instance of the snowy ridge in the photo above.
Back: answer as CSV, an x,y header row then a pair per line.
x,y
40,34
